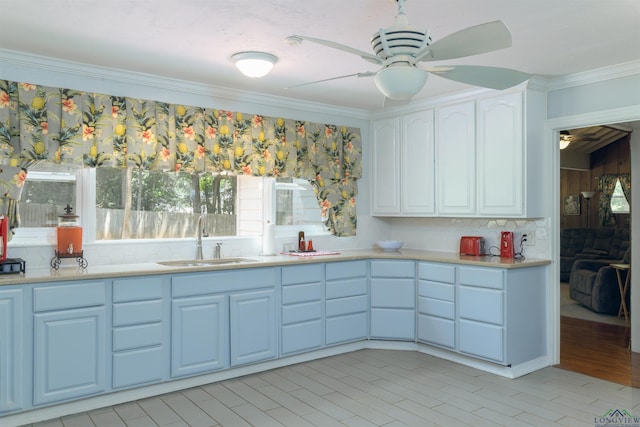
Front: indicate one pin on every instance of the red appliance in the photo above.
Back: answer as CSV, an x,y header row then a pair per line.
x,y
506,245
472,245
4,235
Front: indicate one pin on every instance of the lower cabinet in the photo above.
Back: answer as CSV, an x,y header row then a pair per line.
x,y
69,342
140,325
346,304
253,335
199,334
302,316
436,304
12,335
393,300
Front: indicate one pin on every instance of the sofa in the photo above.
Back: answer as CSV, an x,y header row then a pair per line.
x,y
609,244
594,284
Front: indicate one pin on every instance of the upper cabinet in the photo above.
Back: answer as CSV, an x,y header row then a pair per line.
x,y
476,158
403,165
456,159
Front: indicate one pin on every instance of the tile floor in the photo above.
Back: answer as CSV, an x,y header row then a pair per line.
x,y
375,388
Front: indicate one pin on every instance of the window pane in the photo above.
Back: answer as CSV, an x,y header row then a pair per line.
x,y
619,203
142,204
44,196
297,205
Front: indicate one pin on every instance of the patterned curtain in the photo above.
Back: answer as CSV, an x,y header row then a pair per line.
x,y
607,185
39,123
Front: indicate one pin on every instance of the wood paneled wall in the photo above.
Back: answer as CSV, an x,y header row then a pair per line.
x,y
614,158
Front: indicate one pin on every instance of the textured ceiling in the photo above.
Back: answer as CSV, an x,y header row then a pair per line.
x,y
193,40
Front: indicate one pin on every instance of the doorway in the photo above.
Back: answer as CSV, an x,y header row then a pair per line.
x,y
590,342
556,126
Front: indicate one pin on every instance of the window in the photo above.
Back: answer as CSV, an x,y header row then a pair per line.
x,y
140,204
619,203
144,204
297,206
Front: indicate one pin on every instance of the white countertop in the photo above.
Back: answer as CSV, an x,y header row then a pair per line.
x,y
72,272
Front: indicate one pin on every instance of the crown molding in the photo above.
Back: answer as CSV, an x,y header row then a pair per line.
x,y
594,76
120,76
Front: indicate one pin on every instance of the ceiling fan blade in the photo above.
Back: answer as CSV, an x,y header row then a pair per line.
x,y
470,41
388,102
296,39
490,77
364,74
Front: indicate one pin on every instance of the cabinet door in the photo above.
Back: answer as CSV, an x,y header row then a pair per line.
x,y
11,349
500,145
456,159
253,327
385,153
418,163
199,334
69,354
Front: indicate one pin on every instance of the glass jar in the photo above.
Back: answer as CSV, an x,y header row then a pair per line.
x,y
69,233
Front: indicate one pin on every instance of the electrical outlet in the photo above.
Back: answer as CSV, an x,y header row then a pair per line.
x,y
528,239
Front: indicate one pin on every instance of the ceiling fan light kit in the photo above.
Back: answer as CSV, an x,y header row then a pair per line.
x,y
254,64
400,83
399,48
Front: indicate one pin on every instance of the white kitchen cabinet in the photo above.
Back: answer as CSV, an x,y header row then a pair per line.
x,y
11,349
403,161
69,341
346,304
302,316
436,304
253,331
393,300
385,160
140,331
456,159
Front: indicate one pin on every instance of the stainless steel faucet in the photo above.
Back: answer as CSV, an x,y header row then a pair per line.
x,y
217,251
199,242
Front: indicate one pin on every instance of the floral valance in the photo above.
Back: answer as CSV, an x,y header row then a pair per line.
x,y
39,123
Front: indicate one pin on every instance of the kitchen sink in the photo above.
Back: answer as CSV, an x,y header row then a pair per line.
x,y
205,262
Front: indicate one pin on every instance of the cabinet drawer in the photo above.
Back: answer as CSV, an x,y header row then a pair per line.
x,y
436,272
436,307
348,305
301,312
346,328
396,293
484,305
436,290
393,323
302,274
138,367
308,292
436,330
138,336
137,289
483,277
344,270
301,337
346,288
393,269
131,313
481,339
58,297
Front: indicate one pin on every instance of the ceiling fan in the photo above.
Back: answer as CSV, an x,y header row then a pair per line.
x,y
400,50
566,138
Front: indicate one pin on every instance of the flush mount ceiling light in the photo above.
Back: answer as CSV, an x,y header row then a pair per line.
x,y
254,64
565,140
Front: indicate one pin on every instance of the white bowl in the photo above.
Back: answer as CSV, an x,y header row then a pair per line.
x,y
390,245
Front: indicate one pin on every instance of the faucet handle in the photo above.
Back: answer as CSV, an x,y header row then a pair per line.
x,y
217,251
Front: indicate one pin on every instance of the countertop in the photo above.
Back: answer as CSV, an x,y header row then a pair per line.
x,y
71,272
